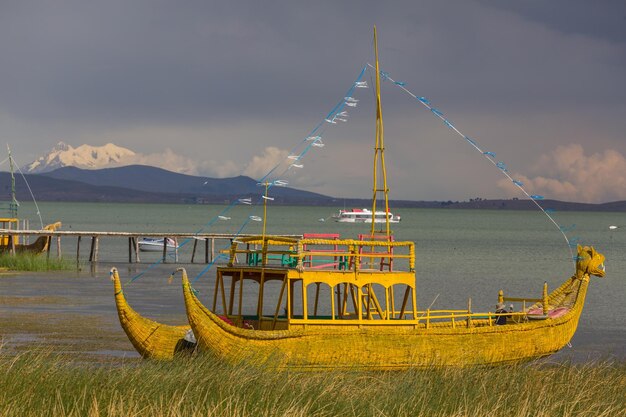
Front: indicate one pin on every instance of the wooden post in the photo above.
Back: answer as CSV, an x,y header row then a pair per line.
x,y
58,247
12,245
130,250
136,245
332,302
78,249
545,298
176,250
240,303
259,308
25,226
212,249
93,252
193,254
49,240
91,248
206,250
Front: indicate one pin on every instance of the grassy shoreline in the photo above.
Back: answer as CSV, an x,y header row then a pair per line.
x,y
41,382
23,262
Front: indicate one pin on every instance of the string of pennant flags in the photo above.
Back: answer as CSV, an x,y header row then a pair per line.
x,y
489,155
276,176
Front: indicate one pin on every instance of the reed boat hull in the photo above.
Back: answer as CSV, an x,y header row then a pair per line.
x,y
150,339
383,346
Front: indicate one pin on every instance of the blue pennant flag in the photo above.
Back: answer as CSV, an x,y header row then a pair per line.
x,y
424,100
470,141
518,183
502,166
400,83
537,197
447,123
491,154
437,112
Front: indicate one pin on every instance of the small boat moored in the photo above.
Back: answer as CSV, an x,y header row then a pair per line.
x,y
149,244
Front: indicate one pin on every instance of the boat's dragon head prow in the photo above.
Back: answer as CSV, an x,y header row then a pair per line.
x,y
115,277
184,275
52,227
589,262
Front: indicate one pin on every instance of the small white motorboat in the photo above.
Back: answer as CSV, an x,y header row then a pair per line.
x,y
364,215
151,244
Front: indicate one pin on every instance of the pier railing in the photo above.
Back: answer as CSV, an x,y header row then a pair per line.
x,y
213,242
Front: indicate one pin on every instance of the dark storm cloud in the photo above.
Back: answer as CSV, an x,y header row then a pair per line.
x,y
191,60
214,78
605,19
141,60
199,60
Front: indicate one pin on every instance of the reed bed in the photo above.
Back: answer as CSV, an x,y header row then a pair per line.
x,y
41,382
35,262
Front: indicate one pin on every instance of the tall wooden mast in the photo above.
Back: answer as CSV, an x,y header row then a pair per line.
x,y
379,152
13,204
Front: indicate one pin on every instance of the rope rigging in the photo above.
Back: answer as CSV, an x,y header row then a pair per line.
x,y
490,156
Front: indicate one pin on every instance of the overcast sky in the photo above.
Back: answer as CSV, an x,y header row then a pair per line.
x,y
228,88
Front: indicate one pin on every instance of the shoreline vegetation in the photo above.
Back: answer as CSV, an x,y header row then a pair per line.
x,y
40,381
28,262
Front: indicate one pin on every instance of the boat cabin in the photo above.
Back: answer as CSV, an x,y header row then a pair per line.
x,y
316,280
274,283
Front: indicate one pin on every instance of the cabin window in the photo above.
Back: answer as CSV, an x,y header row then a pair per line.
x,y
319,296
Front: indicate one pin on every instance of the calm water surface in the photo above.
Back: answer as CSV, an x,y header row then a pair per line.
x,y
460,254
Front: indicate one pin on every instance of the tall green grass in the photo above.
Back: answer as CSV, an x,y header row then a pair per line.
x,y
42,383
35,262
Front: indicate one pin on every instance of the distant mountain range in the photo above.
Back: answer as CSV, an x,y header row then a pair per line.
x,y
84,156
138,183
145,184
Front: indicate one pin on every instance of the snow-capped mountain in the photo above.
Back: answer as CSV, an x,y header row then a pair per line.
x,y
83,156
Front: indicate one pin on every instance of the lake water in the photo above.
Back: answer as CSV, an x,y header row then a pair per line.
x,y
459,254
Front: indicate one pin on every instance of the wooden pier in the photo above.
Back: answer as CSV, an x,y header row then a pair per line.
x,y
206,241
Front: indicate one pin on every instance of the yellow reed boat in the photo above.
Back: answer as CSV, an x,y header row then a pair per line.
x,y
151,339
40,245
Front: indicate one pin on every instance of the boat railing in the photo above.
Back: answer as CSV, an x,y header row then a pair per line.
x,y
467,318
543,300
426,319
347,254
